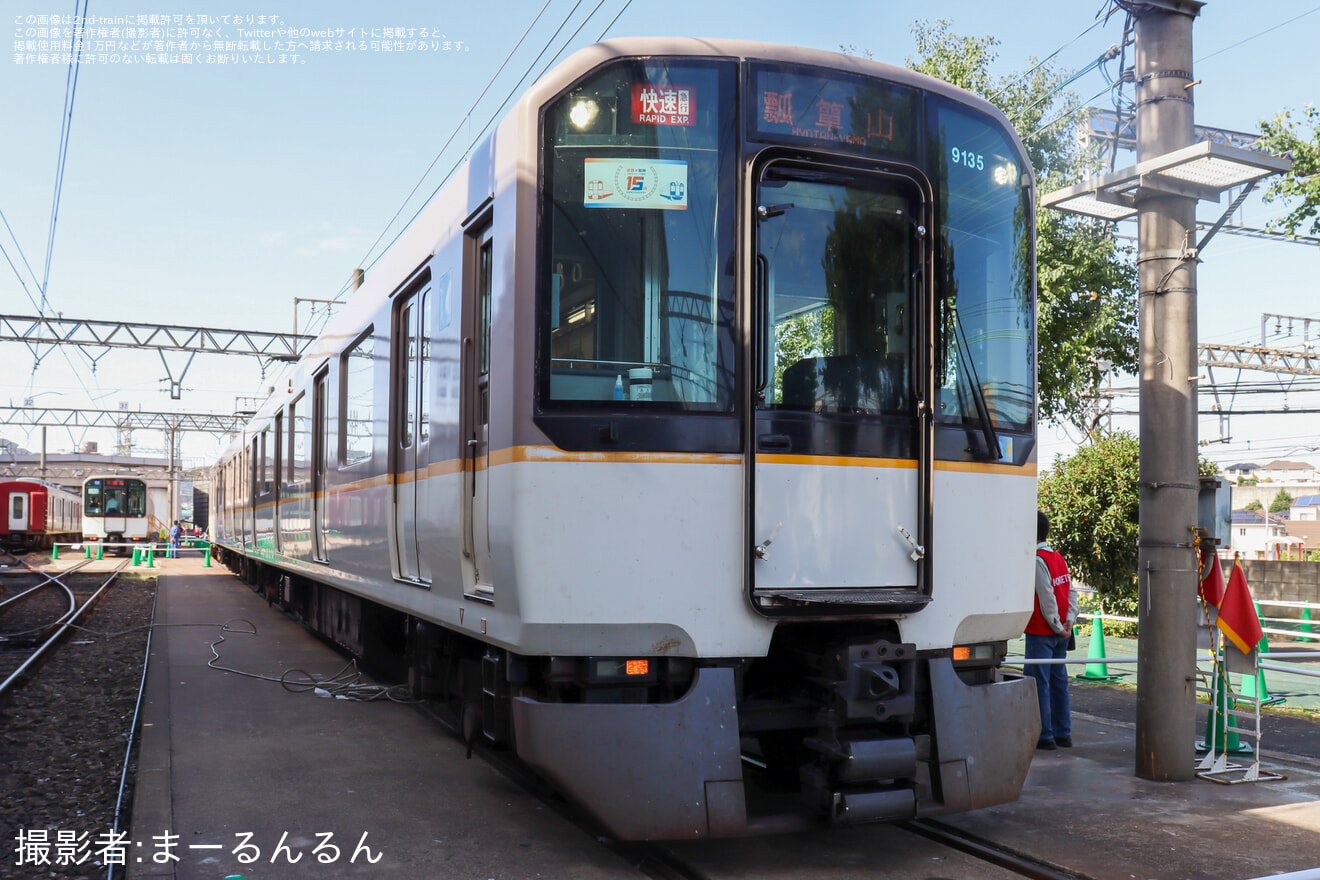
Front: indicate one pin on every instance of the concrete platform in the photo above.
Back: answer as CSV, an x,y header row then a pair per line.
x,y
225,756
228,760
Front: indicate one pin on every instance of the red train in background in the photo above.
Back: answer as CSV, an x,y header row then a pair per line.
x,y
37,514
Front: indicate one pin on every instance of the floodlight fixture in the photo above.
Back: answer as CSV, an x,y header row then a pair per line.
x,y
1204,170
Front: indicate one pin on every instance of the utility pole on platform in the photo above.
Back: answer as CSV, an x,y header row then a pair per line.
x,y
1166,275
1173,172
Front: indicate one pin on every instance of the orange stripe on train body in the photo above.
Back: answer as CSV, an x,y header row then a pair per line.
x,y
512,454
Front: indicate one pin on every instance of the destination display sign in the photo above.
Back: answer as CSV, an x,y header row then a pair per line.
x,y
801,105
657,104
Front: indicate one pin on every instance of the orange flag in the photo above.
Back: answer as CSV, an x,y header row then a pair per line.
x,y
1212,584
1237,614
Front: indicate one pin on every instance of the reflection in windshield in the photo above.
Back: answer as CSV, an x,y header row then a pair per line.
x,y
837,257
985,306
115,498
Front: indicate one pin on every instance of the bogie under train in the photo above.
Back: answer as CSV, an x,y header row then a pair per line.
x,y
685,443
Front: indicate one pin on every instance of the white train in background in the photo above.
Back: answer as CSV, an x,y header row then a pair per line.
x,y
685,443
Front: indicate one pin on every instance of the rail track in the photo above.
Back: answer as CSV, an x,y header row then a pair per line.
x,y
700,861
38,616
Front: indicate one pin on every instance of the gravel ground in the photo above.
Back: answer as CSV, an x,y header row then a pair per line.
x,y
63,734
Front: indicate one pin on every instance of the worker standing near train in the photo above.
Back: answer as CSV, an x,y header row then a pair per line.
x,y
176,532
1048,633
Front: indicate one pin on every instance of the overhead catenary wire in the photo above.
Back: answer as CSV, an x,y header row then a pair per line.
x,y
493,116
489,120
1108,55
66,127
1039,64
1256,36
456,131
19,248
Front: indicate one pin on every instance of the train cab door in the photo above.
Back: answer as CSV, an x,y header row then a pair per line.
x,y
839,453
476,411
19,512
410,430
319,453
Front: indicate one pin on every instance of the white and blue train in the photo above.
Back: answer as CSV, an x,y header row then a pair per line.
x,y
685,443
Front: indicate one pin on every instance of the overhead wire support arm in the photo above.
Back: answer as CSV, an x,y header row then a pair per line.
x,y
1219,224
162,337
1273,360
206,423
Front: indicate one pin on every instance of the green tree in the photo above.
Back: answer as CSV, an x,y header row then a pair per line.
x,y
1282,502
1086,282
1092,501
1286,135
1254,504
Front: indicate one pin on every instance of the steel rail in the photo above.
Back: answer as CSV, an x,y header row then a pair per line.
x,y
655,860
132,731
47,582
987,851
68,620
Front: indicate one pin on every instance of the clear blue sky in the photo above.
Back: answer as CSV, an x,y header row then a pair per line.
x,y
215,194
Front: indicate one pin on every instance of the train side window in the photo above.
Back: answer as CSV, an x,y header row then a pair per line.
x,y
424,366
355,403
405,364
298,420
137,498
296,442
267,466
486,268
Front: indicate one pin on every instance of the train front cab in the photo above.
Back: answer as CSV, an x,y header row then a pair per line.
x,y
818,283
115,509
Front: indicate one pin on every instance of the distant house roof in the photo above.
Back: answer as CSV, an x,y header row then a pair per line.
x,y
1243,466
1307,501
1281,465
1257,517
1309,532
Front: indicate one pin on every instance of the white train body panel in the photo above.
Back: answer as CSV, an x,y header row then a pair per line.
x,y
549,436
118,509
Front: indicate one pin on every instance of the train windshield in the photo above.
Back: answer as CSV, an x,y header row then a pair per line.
x,y
984,281
115,497
639,302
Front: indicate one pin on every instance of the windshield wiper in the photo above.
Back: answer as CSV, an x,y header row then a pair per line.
x,y
992,451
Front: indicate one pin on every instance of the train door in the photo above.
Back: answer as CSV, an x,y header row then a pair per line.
x,y
18,512
840,463
410,430
319,454
476,410
250,503
278,496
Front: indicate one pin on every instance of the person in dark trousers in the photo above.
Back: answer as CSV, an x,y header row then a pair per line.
x,y
1047,637
176,532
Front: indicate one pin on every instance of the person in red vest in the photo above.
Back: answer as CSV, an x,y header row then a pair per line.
x,y
1047,637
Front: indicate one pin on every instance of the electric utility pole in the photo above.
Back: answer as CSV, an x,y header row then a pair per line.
x,y
1166,275
1173,172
